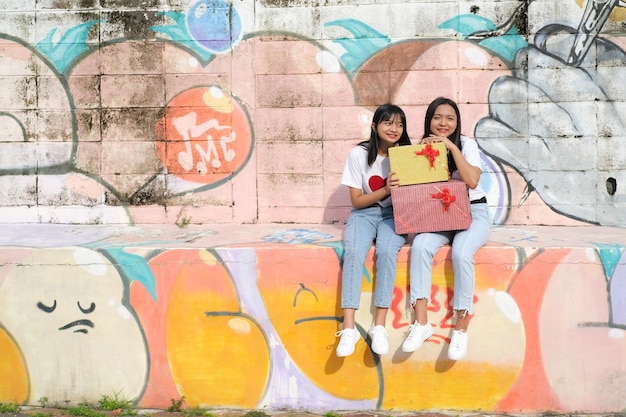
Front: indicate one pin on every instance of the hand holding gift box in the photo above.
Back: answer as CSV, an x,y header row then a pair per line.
x,y
420,164
432,207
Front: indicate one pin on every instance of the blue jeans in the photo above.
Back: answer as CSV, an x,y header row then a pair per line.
x,y
465,244
365,225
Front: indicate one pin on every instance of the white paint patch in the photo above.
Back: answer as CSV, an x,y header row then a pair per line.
x,y
193,62
616,333
476,56
200,10
328,62
365,120
272,341
90,261
591,254
123,312
239,325
216,92
293,387
508,306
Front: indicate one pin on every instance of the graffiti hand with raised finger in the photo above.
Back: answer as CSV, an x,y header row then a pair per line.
x,y
559,125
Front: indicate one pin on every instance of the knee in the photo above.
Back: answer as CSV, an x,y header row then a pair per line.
x,y
421,250
389,248
462,257
387,252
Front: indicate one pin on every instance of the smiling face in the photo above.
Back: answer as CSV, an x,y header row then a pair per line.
x,y
444,121
389,131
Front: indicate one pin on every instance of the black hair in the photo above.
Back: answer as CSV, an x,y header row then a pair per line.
x,y
455,137
382,114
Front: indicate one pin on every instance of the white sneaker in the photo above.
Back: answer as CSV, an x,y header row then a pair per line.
x,y
348,340
418,333
458,345
379,339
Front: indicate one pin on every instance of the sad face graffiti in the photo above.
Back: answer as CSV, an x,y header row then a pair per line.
x,y
67,311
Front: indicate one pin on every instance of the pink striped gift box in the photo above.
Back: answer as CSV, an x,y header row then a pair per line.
x,y
432,207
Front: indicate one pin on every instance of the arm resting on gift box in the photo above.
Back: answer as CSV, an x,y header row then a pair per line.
x,y
470,174
360,200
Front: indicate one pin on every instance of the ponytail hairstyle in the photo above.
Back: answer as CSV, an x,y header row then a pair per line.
x,y
384,113
455,137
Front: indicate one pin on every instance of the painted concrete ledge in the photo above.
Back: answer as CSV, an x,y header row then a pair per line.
x,y
223,235
245,316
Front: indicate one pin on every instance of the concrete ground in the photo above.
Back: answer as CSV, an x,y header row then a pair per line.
x,y
56,412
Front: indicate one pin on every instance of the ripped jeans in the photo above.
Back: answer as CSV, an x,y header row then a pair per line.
x,y
465,244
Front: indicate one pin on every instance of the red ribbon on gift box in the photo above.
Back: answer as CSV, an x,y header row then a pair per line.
x,y
430,153
446,198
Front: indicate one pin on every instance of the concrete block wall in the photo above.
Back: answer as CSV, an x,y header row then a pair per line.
x,y
209,111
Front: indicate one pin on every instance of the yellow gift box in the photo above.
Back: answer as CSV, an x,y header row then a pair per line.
x,y
420,164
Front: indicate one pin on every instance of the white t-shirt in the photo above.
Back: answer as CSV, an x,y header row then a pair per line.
x,y
471,153
358,174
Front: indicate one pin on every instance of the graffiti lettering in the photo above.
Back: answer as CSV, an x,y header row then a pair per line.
x,y
188,128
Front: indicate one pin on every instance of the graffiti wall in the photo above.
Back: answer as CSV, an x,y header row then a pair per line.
x,y
209,111
188,115
251,324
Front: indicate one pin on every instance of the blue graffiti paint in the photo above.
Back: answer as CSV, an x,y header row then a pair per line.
x,y
296,236
214,24
69,47
209,27
365,43
179,33
337,247
497,188
609,254
134,267
506,45
339,251
466,24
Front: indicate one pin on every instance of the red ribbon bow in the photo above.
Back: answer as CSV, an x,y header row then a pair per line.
x,y
429,152
446,198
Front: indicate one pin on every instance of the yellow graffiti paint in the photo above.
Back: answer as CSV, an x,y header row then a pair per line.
x,y
217,355
13,375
